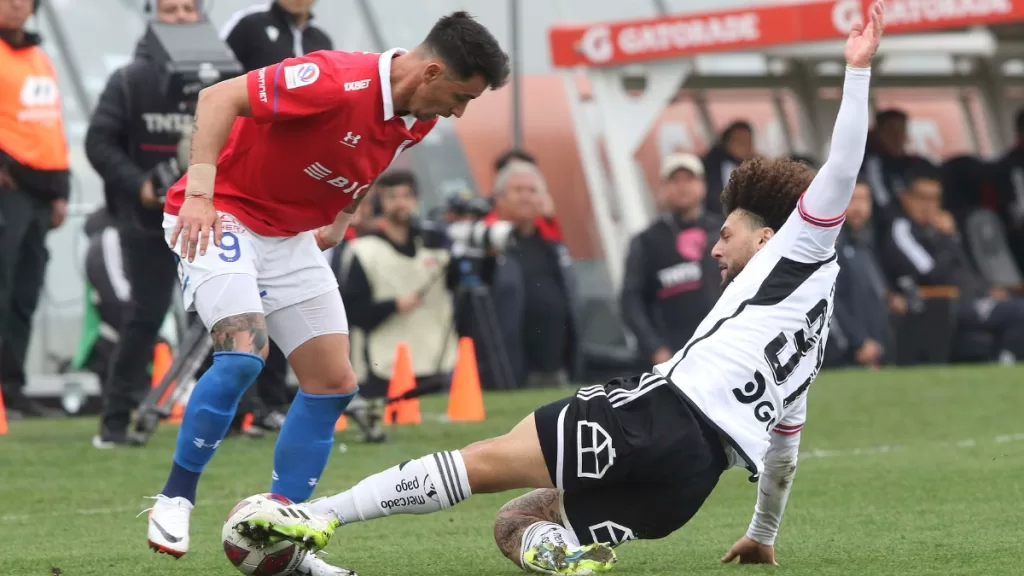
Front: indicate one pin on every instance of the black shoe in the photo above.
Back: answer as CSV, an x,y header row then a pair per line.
x,y
108,439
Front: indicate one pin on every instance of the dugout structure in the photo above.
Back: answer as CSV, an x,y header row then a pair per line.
x,y
631,70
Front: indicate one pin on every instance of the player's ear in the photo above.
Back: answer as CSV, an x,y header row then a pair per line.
x,y
766,235
433,71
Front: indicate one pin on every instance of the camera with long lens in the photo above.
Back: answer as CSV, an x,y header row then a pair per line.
x,y
478,239
190,57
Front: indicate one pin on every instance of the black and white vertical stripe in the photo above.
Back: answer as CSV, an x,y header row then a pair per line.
x,y
449,476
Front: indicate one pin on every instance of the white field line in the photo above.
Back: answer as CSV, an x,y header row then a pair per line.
x,y
804,454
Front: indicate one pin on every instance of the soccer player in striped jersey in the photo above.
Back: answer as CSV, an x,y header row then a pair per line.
x,y
636,458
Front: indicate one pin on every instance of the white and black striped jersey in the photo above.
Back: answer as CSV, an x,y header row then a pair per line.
x,y
750,362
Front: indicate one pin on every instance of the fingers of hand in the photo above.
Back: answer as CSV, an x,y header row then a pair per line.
x,y
193,240
205,231
218,232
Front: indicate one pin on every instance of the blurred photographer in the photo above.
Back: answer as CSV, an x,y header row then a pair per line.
x,y
132,142
396,289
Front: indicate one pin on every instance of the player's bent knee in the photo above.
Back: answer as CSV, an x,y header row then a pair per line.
x,y
241,333
338,381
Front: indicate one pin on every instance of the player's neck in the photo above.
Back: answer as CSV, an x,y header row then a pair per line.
x,y
690,214
403,72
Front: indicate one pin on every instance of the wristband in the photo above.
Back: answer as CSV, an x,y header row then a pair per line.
x,y
200,181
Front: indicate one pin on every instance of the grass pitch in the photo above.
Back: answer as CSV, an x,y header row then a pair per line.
x,y
901,472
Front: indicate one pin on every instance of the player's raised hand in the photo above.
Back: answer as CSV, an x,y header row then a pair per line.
x,y
197,222
750,551
863,40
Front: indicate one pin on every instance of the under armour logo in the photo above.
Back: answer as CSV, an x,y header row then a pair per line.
x,y
274,476
351,139
201,443
313,482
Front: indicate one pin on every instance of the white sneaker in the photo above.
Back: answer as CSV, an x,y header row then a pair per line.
x,y
313,566
168,525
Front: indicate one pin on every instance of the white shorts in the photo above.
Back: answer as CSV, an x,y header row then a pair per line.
x,y
252,273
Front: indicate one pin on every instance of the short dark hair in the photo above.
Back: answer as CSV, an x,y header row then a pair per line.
x,y
516,154
469,49
767,189
393,178
733,127
889,114
921,170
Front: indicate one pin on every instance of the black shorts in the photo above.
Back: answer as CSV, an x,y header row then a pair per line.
x,y
632,459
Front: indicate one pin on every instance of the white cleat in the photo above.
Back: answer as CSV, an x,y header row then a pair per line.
x,y
314,566
168,525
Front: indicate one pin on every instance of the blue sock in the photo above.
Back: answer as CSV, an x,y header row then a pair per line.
x,y
208,415
305,442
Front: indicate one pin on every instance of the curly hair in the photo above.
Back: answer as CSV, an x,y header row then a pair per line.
x,y
766,189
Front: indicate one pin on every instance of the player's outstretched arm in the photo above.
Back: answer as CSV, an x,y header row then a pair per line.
x,y
758,546
830,192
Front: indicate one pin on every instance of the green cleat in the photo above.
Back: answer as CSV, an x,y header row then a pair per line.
x,y
551,559
307,531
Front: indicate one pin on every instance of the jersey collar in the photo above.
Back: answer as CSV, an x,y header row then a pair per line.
x,y
384,66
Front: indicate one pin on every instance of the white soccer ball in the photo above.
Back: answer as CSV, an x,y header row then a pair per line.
x,y
254,558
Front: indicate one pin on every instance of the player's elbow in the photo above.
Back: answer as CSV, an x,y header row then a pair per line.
x,y
227,97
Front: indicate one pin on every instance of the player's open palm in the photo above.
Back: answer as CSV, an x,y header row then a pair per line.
x,y
750,552
863,40
197,222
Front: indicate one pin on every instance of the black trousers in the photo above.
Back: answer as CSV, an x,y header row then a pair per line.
x,y
24,223
1005,321
151,270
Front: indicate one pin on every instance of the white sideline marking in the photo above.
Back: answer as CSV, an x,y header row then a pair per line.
x,y
804,453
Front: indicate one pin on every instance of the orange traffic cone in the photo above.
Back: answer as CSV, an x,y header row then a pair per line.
x,y
465,399
341,424
402,381
3,416
162,359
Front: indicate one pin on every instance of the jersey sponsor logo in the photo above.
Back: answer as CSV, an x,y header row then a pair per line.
x,y
611,533
595,454
261,84
357,85
301,75
782,367
172,123
318,171
351,140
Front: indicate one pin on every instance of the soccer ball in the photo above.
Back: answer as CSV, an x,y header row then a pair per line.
x,y
252,557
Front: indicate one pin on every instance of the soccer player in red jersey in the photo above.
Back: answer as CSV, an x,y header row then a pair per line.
x,y
281,158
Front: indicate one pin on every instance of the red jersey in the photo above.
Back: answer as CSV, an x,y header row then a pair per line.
x,y
323,128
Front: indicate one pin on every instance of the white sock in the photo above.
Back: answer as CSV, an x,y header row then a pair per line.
x,y
428,484
545,533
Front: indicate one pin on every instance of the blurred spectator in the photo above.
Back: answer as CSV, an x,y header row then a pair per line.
x,y
132,143
1009,182
886,164
671,280
395,290
532,289
735,145
547,221
860,322
267,34
925,247
34,187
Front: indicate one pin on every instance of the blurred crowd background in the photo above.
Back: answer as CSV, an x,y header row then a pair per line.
x,y
488,228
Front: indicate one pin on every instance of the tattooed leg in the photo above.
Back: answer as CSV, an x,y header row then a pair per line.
x,y
518,515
